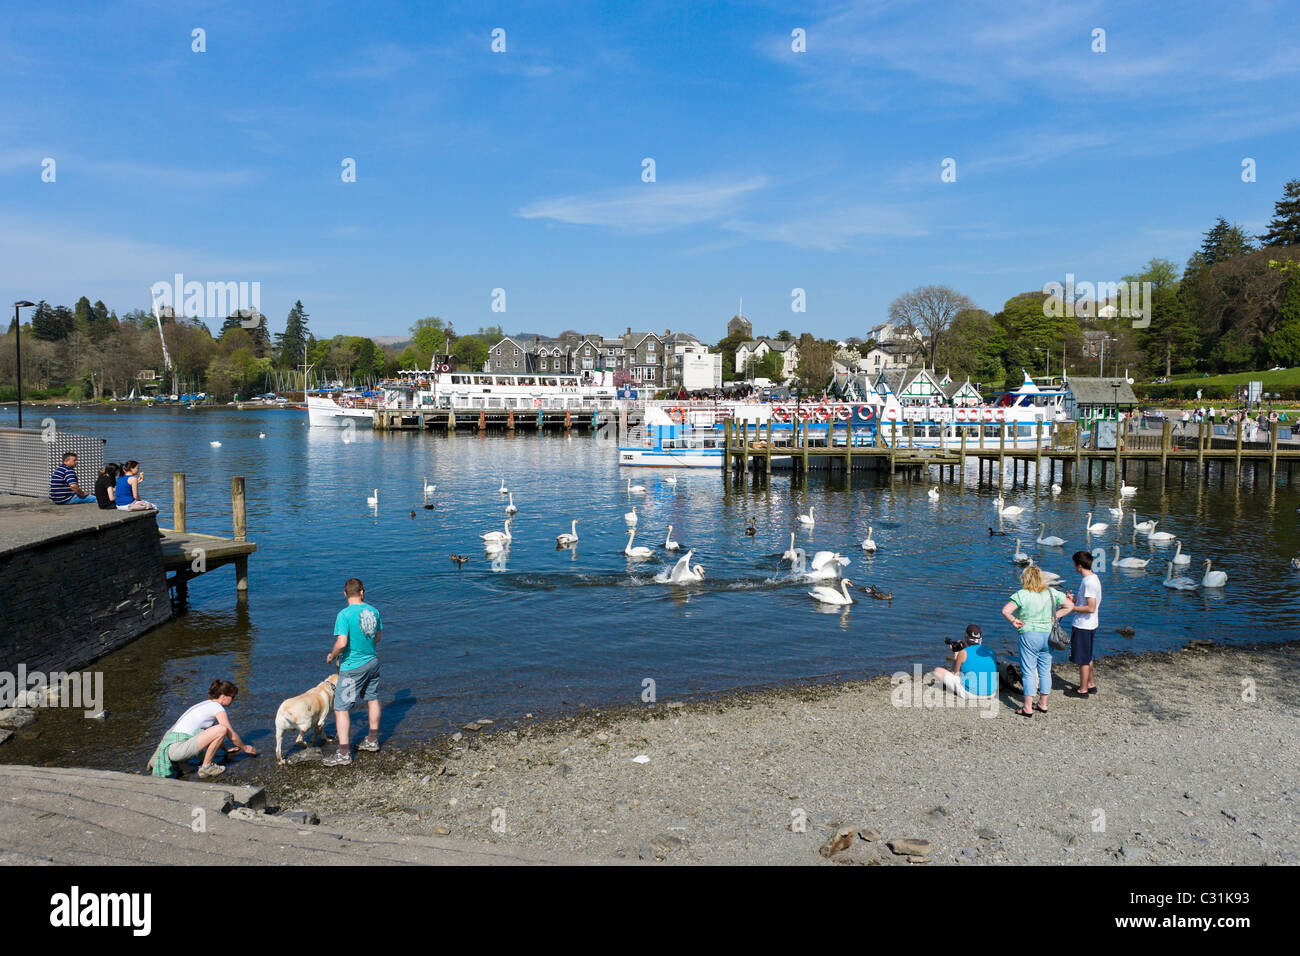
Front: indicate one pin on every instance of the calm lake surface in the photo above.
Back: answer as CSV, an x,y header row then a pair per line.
x,y
552,630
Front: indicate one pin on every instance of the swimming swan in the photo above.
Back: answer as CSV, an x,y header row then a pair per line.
x,y
1006,512
793,552
635,489
1159,536
1051,540
1213,579
1098,527
1129,562
669,543
569,537
684,573
1019,557
510,508
498,537
807,520
829,595
1179,583
640,551
870,543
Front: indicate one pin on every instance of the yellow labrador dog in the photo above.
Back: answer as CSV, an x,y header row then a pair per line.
x,y
305,712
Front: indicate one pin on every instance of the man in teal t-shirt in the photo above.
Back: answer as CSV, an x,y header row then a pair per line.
x,y
356,632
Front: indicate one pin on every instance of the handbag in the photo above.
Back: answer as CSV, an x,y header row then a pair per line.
x,y
1058,640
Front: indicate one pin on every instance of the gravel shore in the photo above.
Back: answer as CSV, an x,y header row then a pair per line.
x,y
1183,757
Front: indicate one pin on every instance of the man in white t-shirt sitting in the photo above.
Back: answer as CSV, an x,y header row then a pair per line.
x,y
1085,622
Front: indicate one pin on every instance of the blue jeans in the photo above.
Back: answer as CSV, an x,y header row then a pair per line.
x,y
78,500
1035,663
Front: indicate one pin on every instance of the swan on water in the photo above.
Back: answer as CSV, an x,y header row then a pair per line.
x,y
373,500
830,595
684,573
569,537
827,572
1019,557
671,480
1118,512
261,434
1056,489
1006,512
793,552
1127,489
933,493
640,551
635,489
215,444
503,489
1095,527
1143,526
823,558
1213,579
1159,536
1179,583
1051,540
870,543
807,520
630,517
428,488
510,508
1129,562
669,543
498,536
1179,557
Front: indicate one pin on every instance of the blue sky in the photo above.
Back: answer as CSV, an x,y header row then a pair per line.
x,y
521,170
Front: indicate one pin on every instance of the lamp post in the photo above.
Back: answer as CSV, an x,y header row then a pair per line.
x,y
18,343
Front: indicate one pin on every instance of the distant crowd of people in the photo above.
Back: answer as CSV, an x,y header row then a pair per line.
x,y
116,487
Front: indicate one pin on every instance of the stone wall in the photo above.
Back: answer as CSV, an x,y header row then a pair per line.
x,y
69,601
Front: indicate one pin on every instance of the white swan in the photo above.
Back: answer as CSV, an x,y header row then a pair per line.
x,y
569,537
1127,490
1159,536
1006,512
215,444
1019,557
683,573
807,520
829,595
870,543
373,500
669,543
261,434
671,480
503,489
933,493
510,508
630,517
1143,526
827,572
640,551
1050,540
428,488
823,558
498,536
1179,557
1095,527
1213,579
1129,562
1118,512
635,489
1179,583
793,552
1056,489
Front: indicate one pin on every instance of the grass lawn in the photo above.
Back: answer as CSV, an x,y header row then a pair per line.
x,y
1287,376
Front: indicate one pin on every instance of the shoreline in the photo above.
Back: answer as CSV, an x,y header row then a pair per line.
x,y
1168,764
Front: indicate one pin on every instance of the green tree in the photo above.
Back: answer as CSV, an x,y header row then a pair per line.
x,y
972,347
291,344
1284,344
470,352
429,338
1222,241
1284,230
81,316
1028,323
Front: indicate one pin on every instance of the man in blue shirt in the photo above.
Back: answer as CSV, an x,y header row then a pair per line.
x,y
64,489
356,632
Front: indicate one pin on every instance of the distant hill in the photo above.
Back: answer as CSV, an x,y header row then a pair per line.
x,y
398,342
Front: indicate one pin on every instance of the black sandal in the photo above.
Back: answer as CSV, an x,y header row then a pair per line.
x,y
1077,693
1022,713
1040,708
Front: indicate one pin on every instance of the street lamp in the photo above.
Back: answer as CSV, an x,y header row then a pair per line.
x,y
18,343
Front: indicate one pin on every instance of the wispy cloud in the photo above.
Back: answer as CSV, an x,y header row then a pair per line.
x,y
650,207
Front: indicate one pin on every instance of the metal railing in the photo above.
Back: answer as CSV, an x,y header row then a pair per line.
x,y
29,456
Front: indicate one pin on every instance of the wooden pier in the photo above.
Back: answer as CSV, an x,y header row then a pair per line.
x,y
494,419
187,554
751,447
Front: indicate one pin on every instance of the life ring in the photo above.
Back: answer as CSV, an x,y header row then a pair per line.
x,y
678,415
781,413
865,413
803,413
1000,414
537,403
844,413
822,413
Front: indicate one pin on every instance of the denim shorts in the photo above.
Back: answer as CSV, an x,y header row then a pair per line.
x,y
360,683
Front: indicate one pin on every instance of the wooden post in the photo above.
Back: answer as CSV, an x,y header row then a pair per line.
x,y
510,419
240,516
963,451
1119,459
1038,458
1239,431
1166,436
726,446
1002,451
910,431
451,419
1272,441
178,501
1200,444
482,421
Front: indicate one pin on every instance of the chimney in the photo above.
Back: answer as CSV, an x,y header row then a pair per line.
x,y
629,330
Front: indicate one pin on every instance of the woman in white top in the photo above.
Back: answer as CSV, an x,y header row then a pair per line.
x,y
201,729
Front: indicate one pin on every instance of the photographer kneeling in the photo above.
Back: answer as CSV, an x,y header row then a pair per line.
x,y
975,667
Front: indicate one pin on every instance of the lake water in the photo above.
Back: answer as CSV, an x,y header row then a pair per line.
x,y
552,630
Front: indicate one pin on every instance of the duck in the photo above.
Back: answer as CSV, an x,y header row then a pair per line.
x,y
510,508
669,543
807,520
459,559
1006,512
1129,562
1056,489
829,595
751,529
373,500
999,533
630,517
1159,536
1019,557
1179,583
568,537
412,514
1143,526
1125,631
498,537
640,551
1051,540
1095,527
878,594
1213,579
870,543
1179,557
215,444
635,489
792,552
684,573
428,506
933,493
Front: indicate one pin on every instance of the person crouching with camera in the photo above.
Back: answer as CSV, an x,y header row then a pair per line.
x,y
974,673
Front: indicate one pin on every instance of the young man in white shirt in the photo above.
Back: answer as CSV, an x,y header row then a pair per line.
x,y
1084,625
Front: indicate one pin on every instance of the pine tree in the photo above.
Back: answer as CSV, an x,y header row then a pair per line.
x,y
1284,230
81,316
291,344
1222,241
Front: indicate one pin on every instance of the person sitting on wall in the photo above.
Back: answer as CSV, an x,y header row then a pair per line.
x,y
127,492
64,489
106,486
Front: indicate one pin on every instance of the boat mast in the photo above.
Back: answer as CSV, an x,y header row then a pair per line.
x,y
167,359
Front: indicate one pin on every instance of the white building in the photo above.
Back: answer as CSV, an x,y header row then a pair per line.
x,y
757,348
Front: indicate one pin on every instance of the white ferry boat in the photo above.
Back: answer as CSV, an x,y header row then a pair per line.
x,y
444,387
331,407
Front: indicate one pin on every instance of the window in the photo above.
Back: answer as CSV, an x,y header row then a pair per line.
x,y
587,350
516,360
516,352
